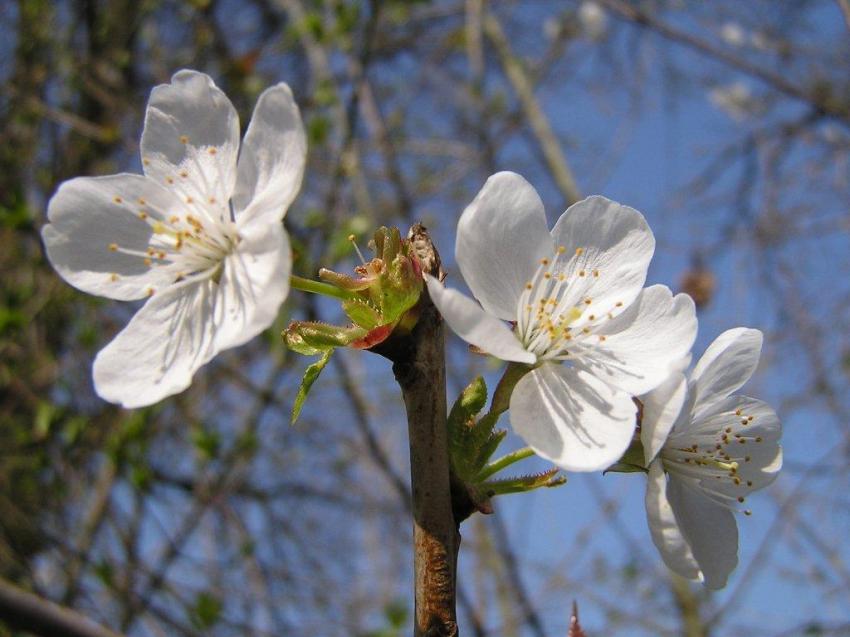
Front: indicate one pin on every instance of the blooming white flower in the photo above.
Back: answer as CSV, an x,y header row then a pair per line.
x,y
573,294
706,451
200,233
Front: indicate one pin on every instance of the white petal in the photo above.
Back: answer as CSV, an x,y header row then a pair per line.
x,y
572,418
191,138
662,408
726,365
160,349
271,162
663,527
254,284
89,216
643,343
181,329
708,528
611,245
501,238
475,326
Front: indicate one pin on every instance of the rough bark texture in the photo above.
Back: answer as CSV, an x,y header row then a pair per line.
x,y
419,367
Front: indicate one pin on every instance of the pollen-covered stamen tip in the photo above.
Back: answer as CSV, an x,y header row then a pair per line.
x,y
544,321
188,244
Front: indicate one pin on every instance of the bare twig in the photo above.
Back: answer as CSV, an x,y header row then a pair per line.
x,y
420,370
820,100
540,127
25,611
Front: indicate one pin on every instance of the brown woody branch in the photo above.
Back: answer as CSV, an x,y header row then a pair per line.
x,y
419,367
22,610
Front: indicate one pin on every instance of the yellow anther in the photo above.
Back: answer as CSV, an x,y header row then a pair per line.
x,y
146,162
184,173
585,330
150,291
561,249
173,219
143,215
544,261
212,199
596,273
579,251
588,301
562,277
189,200
581,272
169,180
113,247
528,286
158,228
148,262
547,275
738,412
601,338
618,304
117,200
113,277
592,317
212,151
184,139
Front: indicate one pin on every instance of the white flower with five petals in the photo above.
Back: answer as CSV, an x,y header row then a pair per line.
x,y
200,233
574,295
706,451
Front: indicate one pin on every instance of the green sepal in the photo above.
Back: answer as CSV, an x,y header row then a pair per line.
x,y
487,449
362,313
470,402
310,376
311,338
624,467
399,289
631,461
521,484
464,445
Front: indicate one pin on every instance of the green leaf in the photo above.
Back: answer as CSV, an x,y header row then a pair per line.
x,y
207,611
310,376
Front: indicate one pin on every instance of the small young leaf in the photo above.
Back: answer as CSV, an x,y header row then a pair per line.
x,y
310,376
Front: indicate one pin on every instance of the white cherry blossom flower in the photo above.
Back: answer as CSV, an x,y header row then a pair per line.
x,y
707,451
574,295
200,233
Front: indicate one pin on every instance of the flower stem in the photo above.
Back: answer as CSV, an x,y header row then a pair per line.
x,y
505,461
317,287
502,393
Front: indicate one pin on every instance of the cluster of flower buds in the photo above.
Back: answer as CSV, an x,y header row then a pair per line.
x,y
379,300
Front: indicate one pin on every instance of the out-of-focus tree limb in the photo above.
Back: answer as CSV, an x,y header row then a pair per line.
x,y
25,611
537,120
819,97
